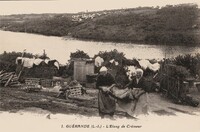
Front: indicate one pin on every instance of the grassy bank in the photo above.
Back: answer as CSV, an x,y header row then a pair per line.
x,y
173,25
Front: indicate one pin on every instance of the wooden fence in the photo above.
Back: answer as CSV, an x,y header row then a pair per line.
x,y
173,87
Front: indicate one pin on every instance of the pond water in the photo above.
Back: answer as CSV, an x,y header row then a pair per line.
x,y
60,48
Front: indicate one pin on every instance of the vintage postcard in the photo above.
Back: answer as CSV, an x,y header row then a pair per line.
x,y
99,65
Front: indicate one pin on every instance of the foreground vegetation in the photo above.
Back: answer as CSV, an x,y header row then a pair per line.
x,y
171,25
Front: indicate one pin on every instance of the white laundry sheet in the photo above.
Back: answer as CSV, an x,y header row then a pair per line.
x,y
98,61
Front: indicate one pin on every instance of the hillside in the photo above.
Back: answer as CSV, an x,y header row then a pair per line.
x,y
172,25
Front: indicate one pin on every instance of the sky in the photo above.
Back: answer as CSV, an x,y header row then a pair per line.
x,y
8,7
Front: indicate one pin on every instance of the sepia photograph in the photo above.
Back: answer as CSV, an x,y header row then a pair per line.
x,y
99,65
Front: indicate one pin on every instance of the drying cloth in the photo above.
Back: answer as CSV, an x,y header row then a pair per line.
x,y
37,61
46,61
56,64
18,59
154,67
28,62
116,63
144,64
98,61
111,61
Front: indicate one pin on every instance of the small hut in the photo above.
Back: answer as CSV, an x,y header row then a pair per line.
x,y
82,68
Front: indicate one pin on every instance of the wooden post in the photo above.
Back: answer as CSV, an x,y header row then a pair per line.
x,y
22,65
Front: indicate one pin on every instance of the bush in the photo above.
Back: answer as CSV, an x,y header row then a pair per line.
x,y
190,62
7,60
79,54
113,54
175,71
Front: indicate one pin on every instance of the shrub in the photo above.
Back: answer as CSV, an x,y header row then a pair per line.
x,y
79,54
174,71
113,54
7,60
190,62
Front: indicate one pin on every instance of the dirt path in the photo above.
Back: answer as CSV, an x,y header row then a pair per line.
x,y
162,106
15,99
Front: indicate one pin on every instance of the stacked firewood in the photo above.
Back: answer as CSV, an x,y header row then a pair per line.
x,y
8,79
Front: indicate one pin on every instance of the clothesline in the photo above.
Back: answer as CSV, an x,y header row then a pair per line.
x,y
29,62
